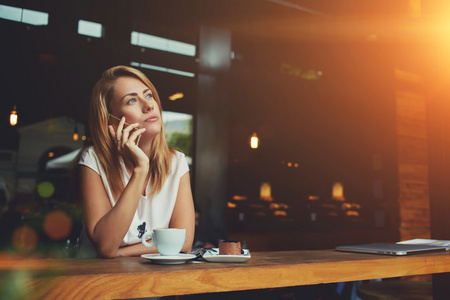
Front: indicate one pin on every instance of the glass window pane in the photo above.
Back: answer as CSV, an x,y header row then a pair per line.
x,y
134,38
151,41
152,67
182,73
34,17
178,132
181,48
163,44
10,13
90,28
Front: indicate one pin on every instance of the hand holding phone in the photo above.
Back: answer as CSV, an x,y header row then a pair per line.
x,y
114,122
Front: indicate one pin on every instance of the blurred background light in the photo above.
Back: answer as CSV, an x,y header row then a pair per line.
x,y
57,225
46,189
25,239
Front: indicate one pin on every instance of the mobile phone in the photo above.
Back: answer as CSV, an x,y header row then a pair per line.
x,y
114,122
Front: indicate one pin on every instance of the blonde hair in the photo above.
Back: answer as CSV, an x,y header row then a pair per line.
x,y
105,147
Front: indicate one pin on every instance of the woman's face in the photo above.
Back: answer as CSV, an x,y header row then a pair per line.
x,y
134,100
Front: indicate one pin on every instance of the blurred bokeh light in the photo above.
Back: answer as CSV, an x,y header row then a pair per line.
x,y
46,189
57,225
25,239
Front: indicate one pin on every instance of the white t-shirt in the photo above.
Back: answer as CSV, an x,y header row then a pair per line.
x,y
152,212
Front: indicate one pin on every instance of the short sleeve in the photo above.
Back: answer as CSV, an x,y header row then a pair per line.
x,y
89,159
182,164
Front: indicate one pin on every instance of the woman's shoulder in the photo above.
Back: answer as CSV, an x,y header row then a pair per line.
x,y
89,151
179,156
179,159
90,159
88,154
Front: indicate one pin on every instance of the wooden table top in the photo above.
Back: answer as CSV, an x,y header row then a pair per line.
x,y
137,277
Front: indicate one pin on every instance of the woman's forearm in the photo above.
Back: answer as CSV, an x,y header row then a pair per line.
x,y
183,215
135,250
113,226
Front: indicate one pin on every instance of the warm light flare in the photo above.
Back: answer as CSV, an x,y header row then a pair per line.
x,y
231,205
265,192
413,27
176,96
277,206
75,134
254,141
25,239
352,213
415,8
239,198
57,225
280,213
13,118
338,191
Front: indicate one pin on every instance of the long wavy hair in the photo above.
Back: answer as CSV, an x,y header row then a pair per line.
x,y
103,143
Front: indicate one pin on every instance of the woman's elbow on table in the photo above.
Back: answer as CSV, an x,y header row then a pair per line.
x,y
187,248
107,252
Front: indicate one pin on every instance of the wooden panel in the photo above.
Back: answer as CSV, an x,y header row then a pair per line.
x,y
415,191
413,172
412,233
412,150
411,128
438,119
413,198
414,215
410,105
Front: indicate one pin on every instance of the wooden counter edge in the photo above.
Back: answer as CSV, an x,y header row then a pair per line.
x,y
135,285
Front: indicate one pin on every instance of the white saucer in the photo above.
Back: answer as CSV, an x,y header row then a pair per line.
x,y
168,260
212,256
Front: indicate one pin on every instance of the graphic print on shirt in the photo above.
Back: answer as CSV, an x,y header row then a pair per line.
x,y
141,230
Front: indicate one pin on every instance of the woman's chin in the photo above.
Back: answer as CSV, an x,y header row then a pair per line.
x,y
149,135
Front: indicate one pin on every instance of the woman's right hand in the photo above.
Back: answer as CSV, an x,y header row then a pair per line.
x,y
126,139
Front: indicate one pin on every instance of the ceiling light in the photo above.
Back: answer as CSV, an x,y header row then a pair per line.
x,y
13,117
254,141
75,133
176,96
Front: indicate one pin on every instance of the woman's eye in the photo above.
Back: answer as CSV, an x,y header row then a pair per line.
x,y
149,96
131,101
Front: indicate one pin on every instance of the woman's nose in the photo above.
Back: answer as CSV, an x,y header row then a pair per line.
x,y
149,107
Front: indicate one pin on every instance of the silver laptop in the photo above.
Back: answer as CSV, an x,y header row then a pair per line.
x,y
391,248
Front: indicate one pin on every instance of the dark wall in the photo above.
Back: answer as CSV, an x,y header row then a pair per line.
x,y
333,125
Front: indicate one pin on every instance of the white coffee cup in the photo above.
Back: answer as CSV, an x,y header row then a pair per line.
x,y
168,241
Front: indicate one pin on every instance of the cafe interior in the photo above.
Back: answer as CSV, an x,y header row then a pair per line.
x,y
307,124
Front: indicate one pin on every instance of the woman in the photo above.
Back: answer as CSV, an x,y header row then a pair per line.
x,y
130,180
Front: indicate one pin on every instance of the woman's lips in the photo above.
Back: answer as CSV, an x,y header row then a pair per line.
x,y
152,119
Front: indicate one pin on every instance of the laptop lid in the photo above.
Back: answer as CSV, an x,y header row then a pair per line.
x,y
390,248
